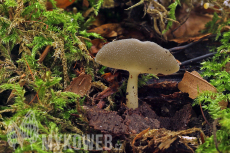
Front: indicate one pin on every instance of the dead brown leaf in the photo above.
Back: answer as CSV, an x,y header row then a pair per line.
x,y
191,82
97,45
93,50
80,85
98,42
60,3
191,28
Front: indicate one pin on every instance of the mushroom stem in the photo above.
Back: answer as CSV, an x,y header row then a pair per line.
x,y
132,88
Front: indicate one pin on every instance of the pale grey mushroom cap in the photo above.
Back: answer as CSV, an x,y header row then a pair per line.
x,y
136,56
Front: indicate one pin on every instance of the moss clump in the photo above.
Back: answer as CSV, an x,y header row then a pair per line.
x,y
215,70
36,85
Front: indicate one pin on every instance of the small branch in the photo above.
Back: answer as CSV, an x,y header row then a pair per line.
x,y
204,116
214,134
188,45
29,68
45,52
36,96
33,80
197,58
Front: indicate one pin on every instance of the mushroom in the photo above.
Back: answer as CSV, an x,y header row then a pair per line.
x,y
136,57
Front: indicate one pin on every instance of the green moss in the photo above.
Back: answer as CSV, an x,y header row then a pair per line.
x,y
214,69
29,25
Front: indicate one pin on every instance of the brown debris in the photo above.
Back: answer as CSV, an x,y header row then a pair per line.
x,y
97,45
113,80
165,122
135,121
109,77
80,85
146,111
133,33
107,121
5,147
108,30
158,140
223,104
173,96
101,104
164,84
107,92
181,118
175,99
138,123
85,3
138,136
227,67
